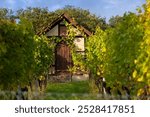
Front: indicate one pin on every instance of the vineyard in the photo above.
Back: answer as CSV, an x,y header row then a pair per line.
x,y
117,58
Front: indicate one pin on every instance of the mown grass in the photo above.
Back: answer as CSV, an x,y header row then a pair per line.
x,y
68,91
70,87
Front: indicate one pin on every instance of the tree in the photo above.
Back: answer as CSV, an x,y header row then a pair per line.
x,y
16,53
114,20
84,17
6,13
41,17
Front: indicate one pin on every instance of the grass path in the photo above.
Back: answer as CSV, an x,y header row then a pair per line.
x,y
68,91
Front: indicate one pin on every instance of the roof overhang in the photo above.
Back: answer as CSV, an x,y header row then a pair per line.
x,y
67,18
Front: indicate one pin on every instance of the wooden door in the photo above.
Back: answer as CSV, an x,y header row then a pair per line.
x,y
63,57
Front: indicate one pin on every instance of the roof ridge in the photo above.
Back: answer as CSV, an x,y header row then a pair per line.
x,y
67,17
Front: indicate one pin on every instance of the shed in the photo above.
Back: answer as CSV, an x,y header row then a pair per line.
x,y
63,59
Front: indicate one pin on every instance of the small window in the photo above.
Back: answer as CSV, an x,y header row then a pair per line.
x,y
63,30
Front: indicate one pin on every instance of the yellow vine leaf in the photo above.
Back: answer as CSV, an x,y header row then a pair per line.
x,y
134,74
140,79
140,91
